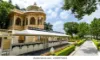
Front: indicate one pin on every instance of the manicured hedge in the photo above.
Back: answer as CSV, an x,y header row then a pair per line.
x,y
66,51
71,40
97,44
80,42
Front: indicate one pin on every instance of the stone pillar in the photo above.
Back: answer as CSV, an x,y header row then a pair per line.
x,y
25,21
42,21
28,20
49,38
21,22
36,21
14,21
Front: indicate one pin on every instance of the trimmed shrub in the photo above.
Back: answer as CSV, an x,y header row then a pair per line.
x,y
66,51
80,42
97,44
71,40
99,48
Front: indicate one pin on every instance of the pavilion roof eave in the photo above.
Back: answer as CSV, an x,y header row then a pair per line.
x,y
37,33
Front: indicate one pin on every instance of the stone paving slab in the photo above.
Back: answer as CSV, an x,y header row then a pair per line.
x,y
87,49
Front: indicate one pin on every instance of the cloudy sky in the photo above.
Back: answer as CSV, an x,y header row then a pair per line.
x,y
55,15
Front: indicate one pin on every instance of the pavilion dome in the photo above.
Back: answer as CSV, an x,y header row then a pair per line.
x,y
34,8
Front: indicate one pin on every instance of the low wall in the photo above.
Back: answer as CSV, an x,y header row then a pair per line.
x,y
25,48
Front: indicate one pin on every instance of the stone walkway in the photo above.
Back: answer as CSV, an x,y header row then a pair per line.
x,y
87,49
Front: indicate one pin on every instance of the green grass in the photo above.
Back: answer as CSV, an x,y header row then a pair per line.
x,y
97,44
66,51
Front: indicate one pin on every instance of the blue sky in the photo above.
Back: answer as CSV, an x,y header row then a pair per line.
x,y
55,15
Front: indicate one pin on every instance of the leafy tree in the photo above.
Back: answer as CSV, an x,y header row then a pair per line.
x,y
48,26
71,28
5,9
80,7
83,29
17,7
95,28
1,0
23,9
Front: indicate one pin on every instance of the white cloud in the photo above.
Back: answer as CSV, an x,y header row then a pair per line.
x,y
58,26
49,11
57,9
46,4
51,14
64,14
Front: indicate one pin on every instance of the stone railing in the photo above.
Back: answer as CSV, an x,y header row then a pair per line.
x,y
22,48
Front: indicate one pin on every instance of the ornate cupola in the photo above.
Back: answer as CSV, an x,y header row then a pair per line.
x,y
34,7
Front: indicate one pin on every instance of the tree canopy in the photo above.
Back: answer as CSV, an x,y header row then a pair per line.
x,y
5,8
17,7
48,26
80,7
71,28
95,28
83,29
80,29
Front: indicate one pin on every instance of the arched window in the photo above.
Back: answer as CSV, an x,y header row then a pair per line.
x,y
26,21
18,21
32,21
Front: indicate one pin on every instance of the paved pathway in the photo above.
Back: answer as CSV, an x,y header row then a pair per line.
x,y
87,49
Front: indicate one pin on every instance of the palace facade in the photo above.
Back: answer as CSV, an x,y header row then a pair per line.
x,y
26,33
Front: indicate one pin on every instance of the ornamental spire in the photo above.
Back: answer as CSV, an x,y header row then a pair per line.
x,y
35,3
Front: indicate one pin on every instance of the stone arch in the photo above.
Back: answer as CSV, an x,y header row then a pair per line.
x,y
32,21
18,21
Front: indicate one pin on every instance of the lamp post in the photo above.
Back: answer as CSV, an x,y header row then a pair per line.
x,y
52,51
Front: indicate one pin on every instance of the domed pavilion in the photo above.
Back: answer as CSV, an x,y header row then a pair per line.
x,y
33,17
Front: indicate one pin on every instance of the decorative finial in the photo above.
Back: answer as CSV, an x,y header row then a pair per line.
x,y
35,3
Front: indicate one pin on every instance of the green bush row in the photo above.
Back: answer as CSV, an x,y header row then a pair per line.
x,y
71,40
97,44
80,42
66,51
